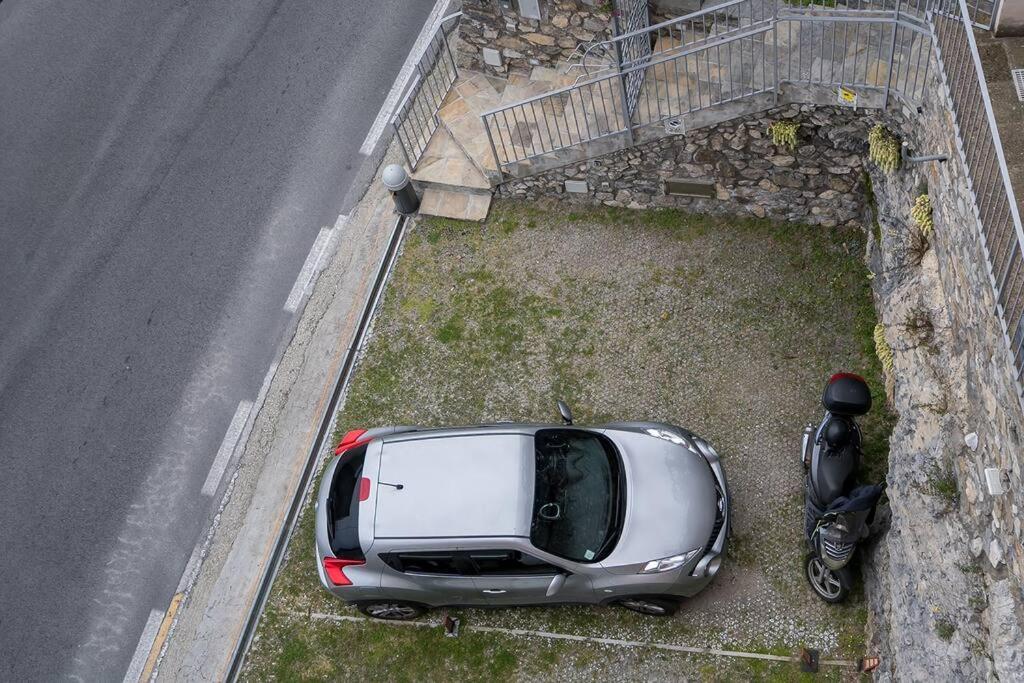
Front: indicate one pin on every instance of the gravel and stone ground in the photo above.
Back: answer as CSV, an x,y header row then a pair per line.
x,y
726,326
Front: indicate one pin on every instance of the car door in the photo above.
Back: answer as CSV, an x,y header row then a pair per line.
x,y
512,577
441,577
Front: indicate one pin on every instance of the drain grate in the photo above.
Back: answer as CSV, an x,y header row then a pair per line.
x,y
1018,82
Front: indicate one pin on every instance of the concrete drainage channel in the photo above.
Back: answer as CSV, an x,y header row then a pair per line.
x,y
319,446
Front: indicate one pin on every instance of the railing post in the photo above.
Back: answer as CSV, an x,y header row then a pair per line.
x,y
401,144
627,115
494,150
892,55
775,40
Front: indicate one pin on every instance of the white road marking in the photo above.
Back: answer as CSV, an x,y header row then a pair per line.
x,y
265,387
316,253
398,87
227,447
145,645
340,224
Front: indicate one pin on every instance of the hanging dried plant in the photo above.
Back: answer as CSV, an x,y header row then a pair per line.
x,y
884,148
921,212
784,133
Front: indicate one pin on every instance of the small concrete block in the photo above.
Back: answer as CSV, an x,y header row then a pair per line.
x,y
577,186
492,57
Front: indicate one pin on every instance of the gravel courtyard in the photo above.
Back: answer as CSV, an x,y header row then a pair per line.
x,y
729,327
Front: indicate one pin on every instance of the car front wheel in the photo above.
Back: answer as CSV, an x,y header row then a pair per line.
x,y
655,607
390,609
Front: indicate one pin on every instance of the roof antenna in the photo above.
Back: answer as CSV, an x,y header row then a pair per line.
x,y
397,487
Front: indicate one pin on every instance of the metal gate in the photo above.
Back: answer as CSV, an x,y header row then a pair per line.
x,y
631,18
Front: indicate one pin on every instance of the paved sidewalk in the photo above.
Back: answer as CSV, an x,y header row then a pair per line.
x,y
208,615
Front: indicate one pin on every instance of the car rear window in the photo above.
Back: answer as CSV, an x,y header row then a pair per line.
x,y
343,505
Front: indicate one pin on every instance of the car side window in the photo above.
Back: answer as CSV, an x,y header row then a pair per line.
x,y
426,563
509,563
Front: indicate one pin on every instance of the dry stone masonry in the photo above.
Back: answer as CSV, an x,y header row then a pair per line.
x,y
497,36
818,182
946,585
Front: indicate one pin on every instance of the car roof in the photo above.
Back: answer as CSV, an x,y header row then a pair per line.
x,y
456,484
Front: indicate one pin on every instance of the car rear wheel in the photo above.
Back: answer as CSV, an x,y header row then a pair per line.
x,y
390,609
655,607
825,582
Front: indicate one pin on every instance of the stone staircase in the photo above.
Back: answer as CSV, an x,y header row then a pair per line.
x,y
457,172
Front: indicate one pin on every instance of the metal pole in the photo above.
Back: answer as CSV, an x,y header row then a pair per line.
x,y
627,115
494,150
892,56
775,40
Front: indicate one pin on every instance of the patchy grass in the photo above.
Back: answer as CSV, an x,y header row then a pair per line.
x,y
727,326
945,629
941,483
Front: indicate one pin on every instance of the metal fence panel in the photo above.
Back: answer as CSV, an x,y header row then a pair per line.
x,y
982,153
415,119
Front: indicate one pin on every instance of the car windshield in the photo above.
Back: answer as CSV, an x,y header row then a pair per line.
x,y
578,495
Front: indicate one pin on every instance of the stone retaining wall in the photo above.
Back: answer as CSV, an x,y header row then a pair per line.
x,y
496,37
819,182
947,588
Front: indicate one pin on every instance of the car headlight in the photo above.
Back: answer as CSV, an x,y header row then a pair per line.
x,y
667,564
674,437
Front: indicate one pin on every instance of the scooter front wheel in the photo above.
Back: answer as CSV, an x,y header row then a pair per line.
x,y
825,582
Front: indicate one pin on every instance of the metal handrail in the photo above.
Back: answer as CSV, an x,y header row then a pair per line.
x,y
647,65
990,114
998,214
415,120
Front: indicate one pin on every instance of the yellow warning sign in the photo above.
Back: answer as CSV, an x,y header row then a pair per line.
x,y
847,97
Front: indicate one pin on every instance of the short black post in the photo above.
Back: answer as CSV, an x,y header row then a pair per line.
x,y
397,181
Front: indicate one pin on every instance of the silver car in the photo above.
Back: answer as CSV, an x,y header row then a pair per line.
x,y
632,513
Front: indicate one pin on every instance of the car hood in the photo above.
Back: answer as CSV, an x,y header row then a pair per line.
x,y
670,501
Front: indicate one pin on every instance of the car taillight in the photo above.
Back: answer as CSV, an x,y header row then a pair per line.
x,y
334,568
364,489
350,440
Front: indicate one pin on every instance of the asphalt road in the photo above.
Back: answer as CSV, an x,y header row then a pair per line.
x,y
165,167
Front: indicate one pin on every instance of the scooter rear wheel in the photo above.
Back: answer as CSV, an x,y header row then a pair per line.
x,y
825,582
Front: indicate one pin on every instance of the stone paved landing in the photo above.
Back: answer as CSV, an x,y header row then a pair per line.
x,y
465,206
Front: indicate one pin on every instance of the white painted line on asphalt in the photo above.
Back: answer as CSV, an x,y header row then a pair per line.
x,y
265,387
316,252
190,567
145,645
405,73
227,447
340,224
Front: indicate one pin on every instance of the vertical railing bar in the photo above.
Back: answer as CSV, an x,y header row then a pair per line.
x,y
494,150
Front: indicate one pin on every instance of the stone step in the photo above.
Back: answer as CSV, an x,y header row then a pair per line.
x,y
445,165
462,205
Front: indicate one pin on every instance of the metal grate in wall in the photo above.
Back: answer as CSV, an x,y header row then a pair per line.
x,y
1018,82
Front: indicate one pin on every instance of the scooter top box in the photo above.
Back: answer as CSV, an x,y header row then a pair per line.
x,y
847,394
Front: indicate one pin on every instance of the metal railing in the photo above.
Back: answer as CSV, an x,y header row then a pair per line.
x,y
729,52
416,119
679,33
981,151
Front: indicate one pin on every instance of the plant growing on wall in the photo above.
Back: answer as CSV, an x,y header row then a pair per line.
x,y
921,212
882,348
784,133
884,148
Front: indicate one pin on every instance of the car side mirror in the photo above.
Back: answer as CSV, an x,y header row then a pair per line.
x,y
557,581
564,411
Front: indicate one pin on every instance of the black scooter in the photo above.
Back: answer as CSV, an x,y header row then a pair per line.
x,y
838,510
